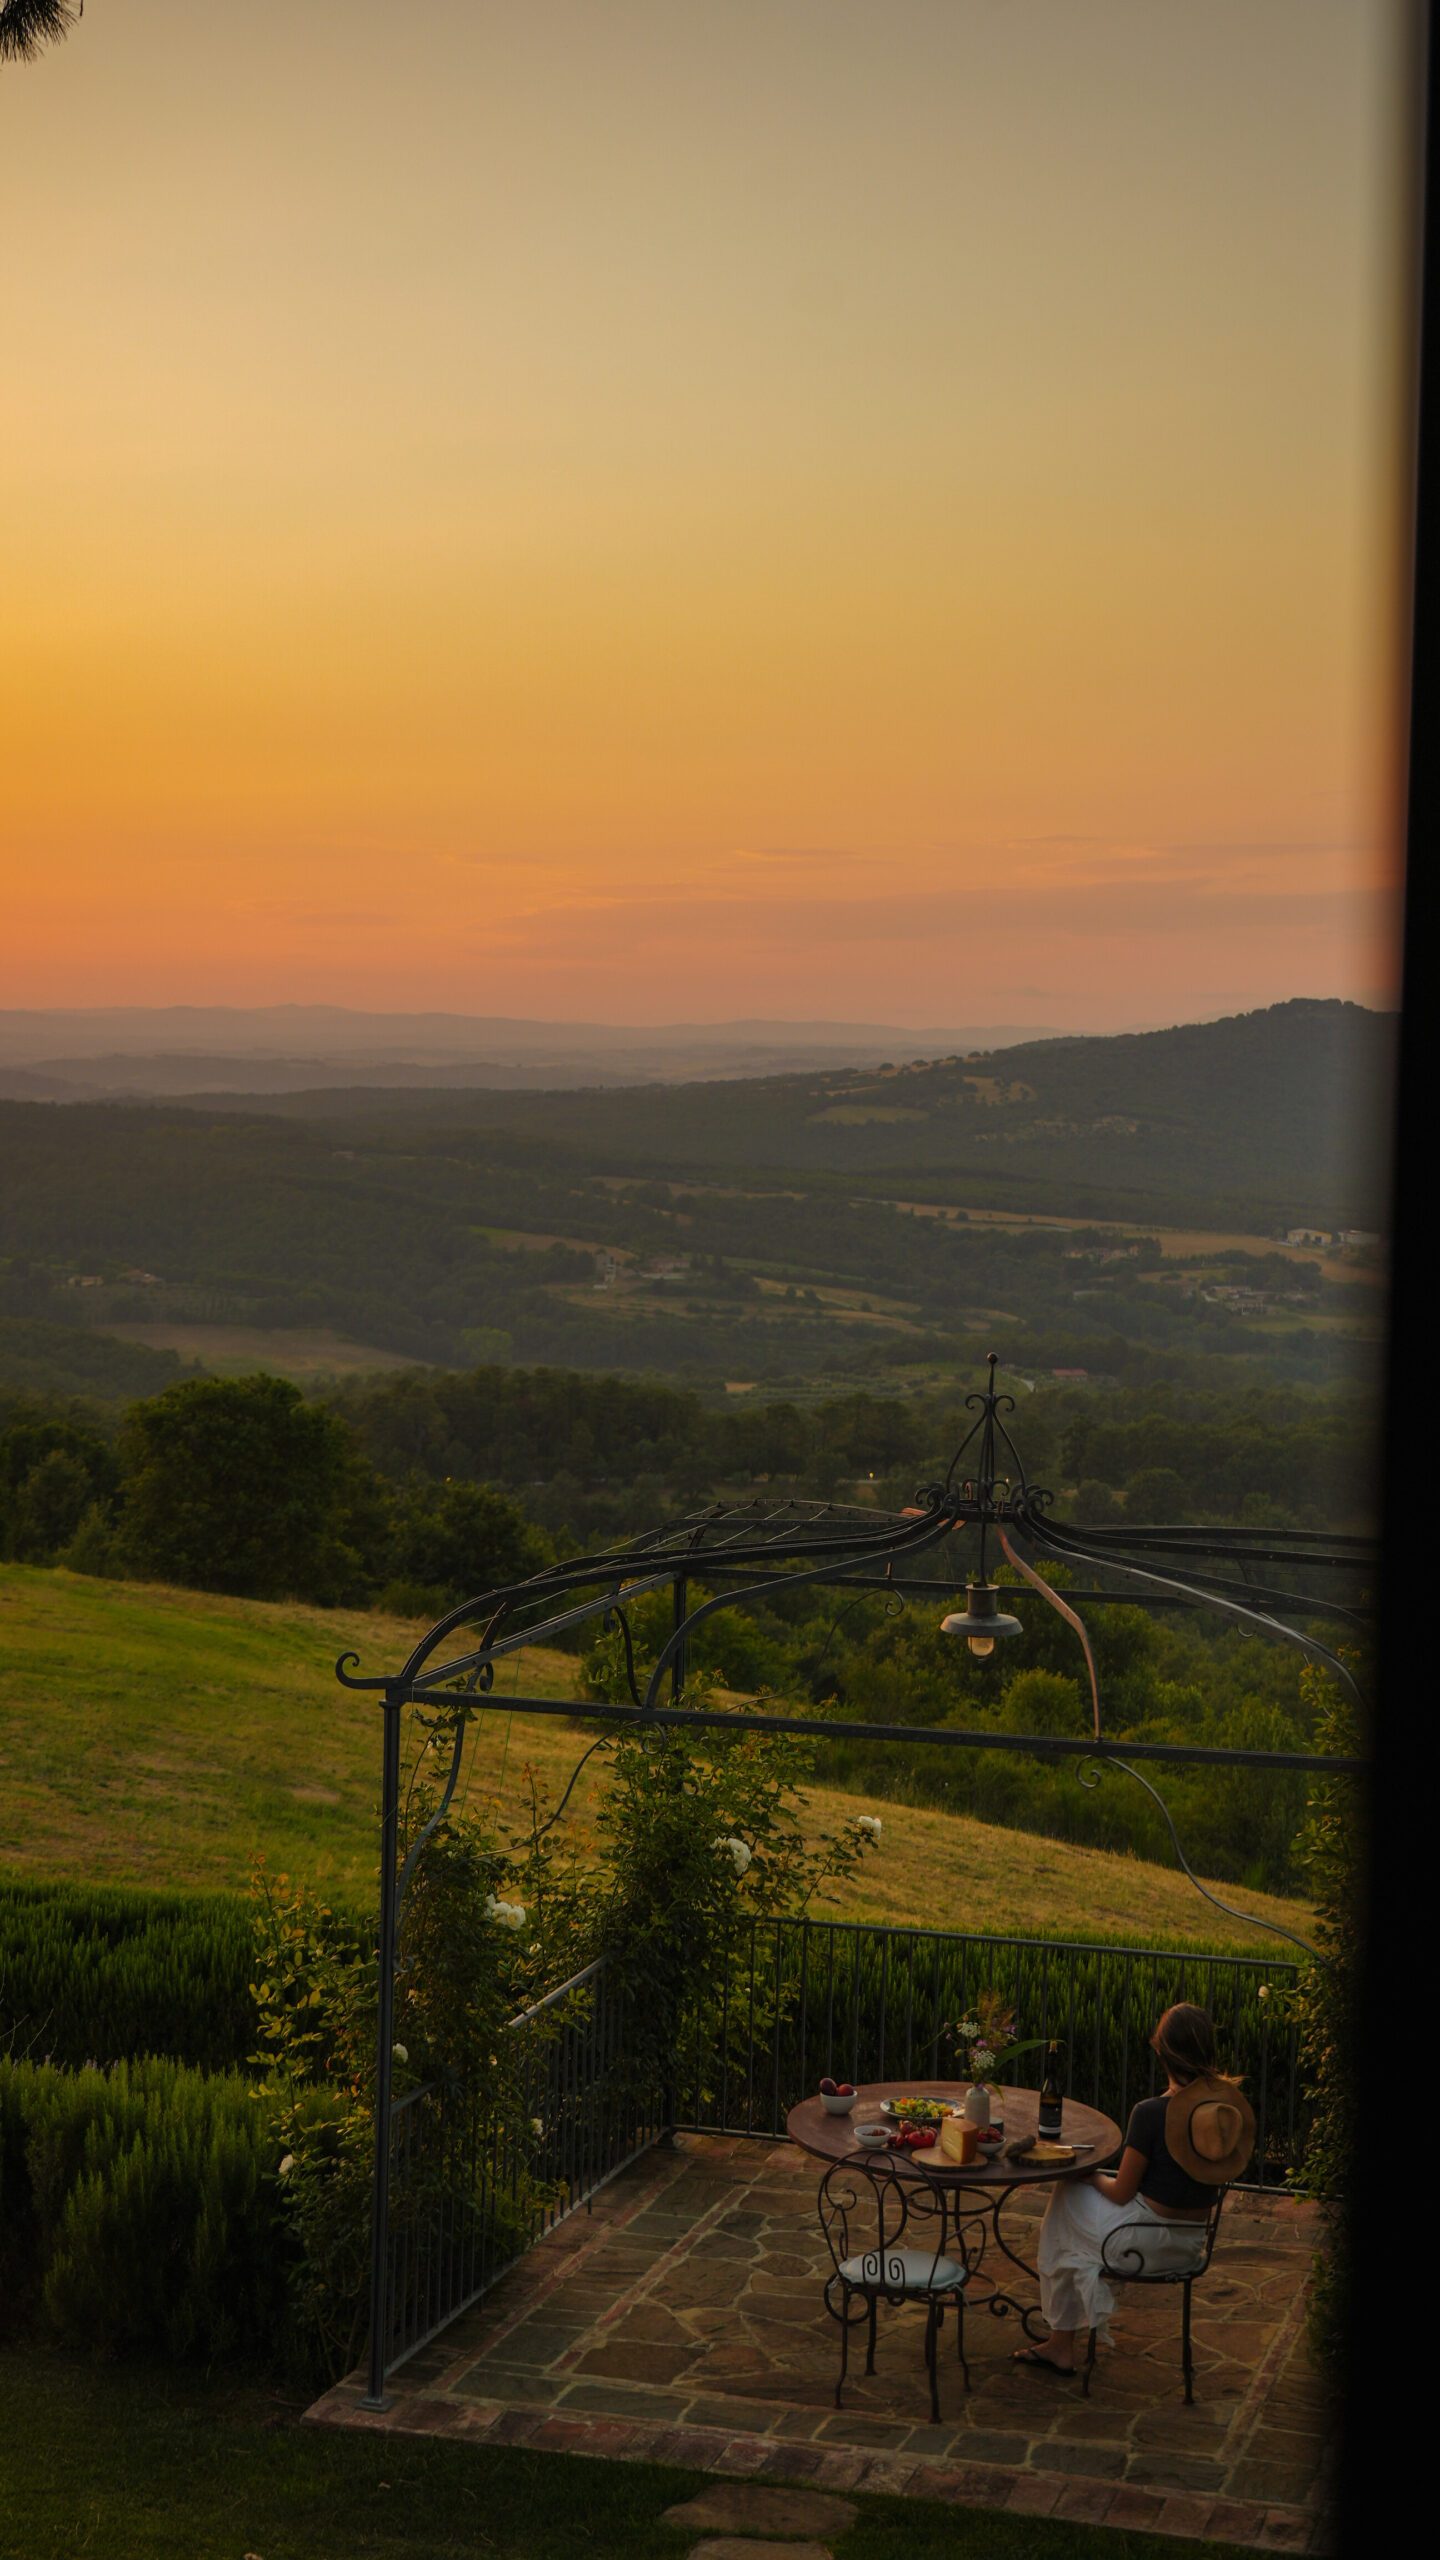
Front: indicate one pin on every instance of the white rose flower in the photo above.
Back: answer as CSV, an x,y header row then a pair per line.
x,y
287,2164
740,1854
872,1823
517,1914
401,2052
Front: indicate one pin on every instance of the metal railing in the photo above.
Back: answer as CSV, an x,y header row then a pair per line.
x,y
805,1998
474,2185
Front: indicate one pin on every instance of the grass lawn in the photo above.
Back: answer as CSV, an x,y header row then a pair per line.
x,y
162,1737
153,2466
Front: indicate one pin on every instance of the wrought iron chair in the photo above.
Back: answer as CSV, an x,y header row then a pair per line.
x,y
1116,2271
908,2261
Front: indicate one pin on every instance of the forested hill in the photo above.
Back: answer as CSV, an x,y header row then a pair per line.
x,y
1261,1118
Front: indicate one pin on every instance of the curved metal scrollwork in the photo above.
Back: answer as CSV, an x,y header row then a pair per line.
x,y
1091,1772
615,1617
1131,2265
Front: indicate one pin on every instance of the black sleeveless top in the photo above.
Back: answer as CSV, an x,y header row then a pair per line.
x,y
1165,2183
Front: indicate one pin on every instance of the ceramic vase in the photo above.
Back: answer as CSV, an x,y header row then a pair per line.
x,y
977,2107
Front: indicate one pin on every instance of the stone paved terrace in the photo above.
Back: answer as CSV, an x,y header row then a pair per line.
x,y
680,2321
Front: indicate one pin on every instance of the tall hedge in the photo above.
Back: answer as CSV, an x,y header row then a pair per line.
x,y
103,1974
139,2211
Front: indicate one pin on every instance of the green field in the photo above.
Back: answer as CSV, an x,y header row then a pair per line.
x,y
308,1354
162,1737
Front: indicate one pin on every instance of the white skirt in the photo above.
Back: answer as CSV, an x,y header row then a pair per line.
x,y
1075,2292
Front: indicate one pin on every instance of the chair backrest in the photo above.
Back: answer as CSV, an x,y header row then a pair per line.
x,y
1123,2260
858,2213
869,2218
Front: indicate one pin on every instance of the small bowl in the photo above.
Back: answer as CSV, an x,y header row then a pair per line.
x,y
872,2137
838,2106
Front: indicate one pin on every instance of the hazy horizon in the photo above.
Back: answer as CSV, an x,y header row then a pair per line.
x,y
15,1019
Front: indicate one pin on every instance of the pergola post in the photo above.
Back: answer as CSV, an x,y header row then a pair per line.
x,y
384,2053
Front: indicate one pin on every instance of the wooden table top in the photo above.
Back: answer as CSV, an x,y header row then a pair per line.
x,y
832,2138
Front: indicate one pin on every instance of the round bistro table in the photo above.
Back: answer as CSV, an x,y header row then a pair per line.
x,y
963,2207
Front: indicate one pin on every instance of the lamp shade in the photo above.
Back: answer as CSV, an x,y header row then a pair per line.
x,y
981,1621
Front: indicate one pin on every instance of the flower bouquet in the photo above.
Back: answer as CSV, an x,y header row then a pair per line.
x,y
985,2041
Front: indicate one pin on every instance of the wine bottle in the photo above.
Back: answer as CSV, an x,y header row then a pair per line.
x,y
1052,2102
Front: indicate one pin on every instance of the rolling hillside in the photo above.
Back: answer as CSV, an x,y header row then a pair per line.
x,y
1265,1117
778,1230
161,1737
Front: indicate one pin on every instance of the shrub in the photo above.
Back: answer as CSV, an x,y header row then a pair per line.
x,y
104,1974
457,1982
137,2208
701,1832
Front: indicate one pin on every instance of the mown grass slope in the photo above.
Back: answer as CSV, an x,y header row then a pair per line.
x,y
164,1737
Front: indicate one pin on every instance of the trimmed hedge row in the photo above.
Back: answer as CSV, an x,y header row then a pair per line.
x,y
99,1974
139,2211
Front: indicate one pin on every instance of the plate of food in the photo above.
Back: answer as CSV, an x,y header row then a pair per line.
x,y
921,2111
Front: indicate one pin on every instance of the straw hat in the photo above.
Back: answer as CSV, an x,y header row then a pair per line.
x,y
1210,2130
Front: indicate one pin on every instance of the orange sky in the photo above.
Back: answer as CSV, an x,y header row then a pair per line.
x,y
687,508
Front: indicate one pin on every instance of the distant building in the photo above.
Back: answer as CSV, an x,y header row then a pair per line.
x,y
1307,1235
1075,1377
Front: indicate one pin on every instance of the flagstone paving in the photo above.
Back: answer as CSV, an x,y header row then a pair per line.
x,y
681,2321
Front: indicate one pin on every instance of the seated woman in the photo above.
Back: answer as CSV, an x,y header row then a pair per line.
x,y
1179,2150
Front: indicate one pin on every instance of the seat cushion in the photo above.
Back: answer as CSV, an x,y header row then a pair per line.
x,y
910,2270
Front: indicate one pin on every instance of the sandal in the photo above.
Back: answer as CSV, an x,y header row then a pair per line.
x,y
1043,2364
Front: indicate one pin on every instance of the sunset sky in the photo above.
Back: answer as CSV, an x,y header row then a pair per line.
x,y
648,510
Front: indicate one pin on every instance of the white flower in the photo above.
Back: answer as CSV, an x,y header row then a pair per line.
x,y
968,2027
872,1823
511,1915
740,1854
287,2164
401,2052
536,2126
983,2059
517,1915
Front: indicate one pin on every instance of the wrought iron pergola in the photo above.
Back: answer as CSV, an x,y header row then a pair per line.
x,y
744,1552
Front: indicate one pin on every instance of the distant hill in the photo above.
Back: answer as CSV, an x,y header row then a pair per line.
x,y
85,1055
742,1231
1261,1118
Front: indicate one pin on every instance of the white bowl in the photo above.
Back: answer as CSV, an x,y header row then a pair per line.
x,y
838,2106
872,2137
